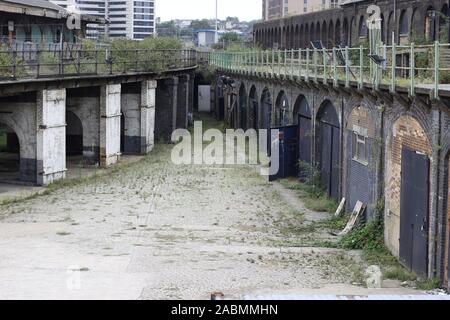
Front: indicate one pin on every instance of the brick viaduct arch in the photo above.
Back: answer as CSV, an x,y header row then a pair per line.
x,y
422,22
383,126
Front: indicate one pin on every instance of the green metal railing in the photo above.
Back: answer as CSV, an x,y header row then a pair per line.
x,y
42,63
411,66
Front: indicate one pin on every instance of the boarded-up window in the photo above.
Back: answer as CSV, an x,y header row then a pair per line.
x,y
360,149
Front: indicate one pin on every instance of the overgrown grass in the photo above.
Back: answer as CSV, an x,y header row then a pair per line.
x,y
313,196
400,273
369,238
428,284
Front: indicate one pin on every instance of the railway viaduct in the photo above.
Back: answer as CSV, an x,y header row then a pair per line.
x,y
410,20
385,144
96,116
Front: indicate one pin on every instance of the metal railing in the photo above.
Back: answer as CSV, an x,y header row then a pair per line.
x,y
412,66
43,63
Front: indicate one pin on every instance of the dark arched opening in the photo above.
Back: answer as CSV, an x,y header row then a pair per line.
x,y
338,33
324,34
302,117
430,24
328,148
9,154
345,33
331,35
74,135
390,28
243,107
266,109
281,118
253,109
318,33
403,24
362,29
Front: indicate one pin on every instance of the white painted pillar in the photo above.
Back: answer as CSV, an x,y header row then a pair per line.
x,y
148,94
109,124
51,136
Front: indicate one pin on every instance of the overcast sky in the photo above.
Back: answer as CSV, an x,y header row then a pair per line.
x,y
245,10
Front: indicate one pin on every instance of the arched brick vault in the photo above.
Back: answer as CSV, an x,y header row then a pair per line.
x,y
361,182
411,127
415,15
315,98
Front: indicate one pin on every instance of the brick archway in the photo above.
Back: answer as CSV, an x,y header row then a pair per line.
x,y
407,132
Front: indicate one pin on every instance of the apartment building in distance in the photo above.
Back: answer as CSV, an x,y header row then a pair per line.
x,y
275,9
127,18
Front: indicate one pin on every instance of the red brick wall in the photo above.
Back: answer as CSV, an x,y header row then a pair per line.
x,y
405,132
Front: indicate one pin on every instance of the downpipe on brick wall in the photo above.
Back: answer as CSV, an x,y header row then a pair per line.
x,y
437,234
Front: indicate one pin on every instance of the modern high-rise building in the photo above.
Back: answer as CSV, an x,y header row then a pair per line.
x,y
274,9
127,18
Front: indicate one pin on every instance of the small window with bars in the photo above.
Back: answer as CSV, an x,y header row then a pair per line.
x,y
360,149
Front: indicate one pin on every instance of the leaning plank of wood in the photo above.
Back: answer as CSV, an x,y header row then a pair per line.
x,y
357,212
340,208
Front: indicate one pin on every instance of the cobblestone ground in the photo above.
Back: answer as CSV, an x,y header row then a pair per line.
x,y
158,231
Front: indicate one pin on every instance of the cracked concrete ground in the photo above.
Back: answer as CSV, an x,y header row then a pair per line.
x,y
158,231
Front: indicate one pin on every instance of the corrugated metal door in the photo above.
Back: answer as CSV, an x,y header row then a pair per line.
x,y
414,205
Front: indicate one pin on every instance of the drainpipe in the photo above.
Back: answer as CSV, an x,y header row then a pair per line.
x,y
434,265
341,156
381,160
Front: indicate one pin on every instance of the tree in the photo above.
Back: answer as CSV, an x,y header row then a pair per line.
x,y
230,37
167,29
200,24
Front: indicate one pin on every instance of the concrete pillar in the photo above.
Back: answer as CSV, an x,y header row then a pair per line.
x,y
148,100
109,124
183,102
51,136
138,110
190,111
166,109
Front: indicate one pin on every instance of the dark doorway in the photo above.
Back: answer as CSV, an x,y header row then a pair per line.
x,y
302,117
253,110
282,110
329,149
266,107
287,154
266,113
74,135
9,154
414,204
242,108
122,133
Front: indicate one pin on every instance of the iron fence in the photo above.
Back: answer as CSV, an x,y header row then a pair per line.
x,y
411,66
75,61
